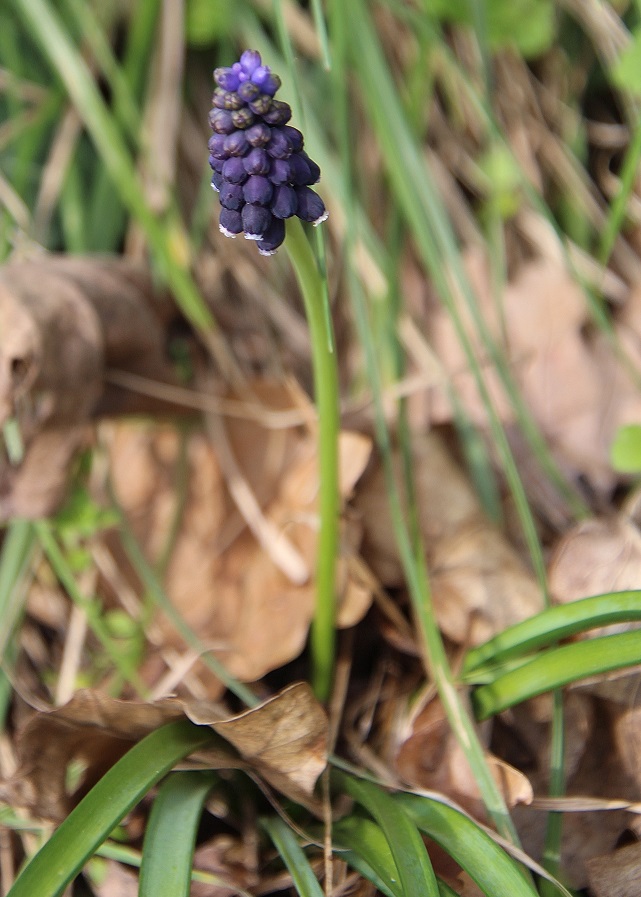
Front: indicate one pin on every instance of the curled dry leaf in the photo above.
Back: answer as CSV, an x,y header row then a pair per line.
x,y
283,740
479,584
431,758
64,322
227,584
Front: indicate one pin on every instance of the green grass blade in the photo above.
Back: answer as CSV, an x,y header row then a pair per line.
x,y
168,848
364,847
87,826
550,626
17,551
410,855
558,667
493,870
293,856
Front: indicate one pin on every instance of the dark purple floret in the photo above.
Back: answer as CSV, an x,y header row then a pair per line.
x,y
279,146
231,196
221,121
256,219
314,169
248,91
258,135
236,144
294,136
257,161
284,201
258,189
234,170
280,171
272,238
310,206
300,170
260,170
216,146
279,113
230,222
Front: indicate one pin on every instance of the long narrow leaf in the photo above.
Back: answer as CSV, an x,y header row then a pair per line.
x,y
554,624
293,856
557,667
87,826
410,855
168,849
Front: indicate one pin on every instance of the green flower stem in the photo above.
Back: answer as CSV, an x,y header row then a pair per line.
x,y
325,369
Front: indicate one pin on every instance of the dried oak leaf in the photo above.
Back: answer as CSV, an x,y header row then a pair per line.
x,y
283,740
64,322
227,579
479,584
616,874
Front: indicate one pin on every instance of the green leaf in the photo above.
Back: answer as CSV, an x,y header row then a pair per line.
x,y
87,826
364,847
558,667
207,22
626,72
415,871
625,453
168,849
548,627
292,854
493,870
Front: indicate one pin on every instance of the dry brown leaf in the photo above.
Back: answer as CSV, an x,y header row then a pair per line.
x,y
64,321
479,584
617,874
283,740
227,585
431,758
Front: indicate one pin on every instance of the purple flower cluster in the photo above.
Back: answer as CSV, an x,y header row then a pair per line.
x,y
260,169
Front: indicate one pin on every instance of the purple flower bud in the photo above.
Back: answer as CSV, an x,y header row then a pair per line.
x,y
216,146
279,146
250,61
243,118
234,171
257,161
226,78
236,144
258,189
310,206
216,164
295,137
300,170
226,99
261,105
221,121
279,113
258,135
280,171
231,196
314,169
272,238
230,223
256,219
269,83
284,201
216,180
248,91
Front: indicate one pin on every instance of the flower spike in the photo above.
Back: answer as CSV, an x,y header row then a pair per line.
x,y
260,170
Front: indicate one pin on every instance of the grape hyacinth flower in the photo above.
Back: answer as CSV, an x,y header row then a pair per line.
x,y
260,169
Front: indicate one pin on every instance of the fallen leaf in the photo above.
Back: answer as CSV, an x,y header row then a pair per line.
x,y
479,584
616,874
284,740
